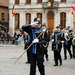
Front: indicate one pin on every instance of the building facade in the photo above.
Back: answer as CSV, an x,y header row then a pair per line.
x,y
50,12
4,15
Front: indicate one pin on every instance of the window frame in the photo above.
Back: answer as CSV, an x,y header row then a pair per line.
x,y
28,1
39,1
63,1
17,19
39,15
28,18
3,16
63,20
16,2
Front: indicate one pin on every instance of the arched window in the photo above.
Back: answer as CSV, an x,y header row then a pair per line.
x,y
28,1
63,20
16,2
17,22
63,0
39,1
39,15
2,16
28,18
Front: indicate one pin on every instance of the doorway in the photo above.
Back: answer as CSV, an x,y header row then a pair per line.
x,y
51,21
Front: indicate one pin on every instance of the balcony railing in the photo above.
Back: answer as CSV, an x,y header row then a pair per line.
x,y
55,4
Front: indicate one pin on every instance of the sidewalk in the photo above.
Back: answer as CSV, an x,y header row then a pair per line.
x,y
9,54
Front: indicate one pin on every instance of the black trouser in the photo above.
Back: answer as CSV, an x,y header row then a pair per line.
x,y
73,48
34,58
28,53
46,54
28,56
67,47
57,56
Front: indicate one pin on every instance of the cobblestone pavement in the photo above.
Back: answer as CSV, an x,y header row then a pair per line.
x,y
9,54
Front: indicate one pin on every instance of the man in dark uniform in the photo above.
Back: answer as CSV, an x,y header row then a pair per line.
x,y
37,52
67,44
57,45
45,46
73,43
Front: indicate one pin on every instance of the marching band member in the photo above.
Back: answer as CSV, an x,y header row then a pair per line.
x,y
73,43
57,45
37,52
45,46
67,44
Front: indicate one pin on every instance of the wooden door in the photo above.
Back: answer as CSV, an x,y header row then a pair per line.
x,y
51,21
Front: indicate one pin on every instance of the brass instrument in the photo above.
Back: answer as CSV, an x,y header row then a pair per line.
x,y
66,35
73,40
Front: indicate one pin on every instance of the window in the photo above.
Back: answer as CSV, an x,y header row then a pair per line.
x,y
17,17
63,19
50,0
39,15
28,18
8,16
39,1
63,0
28,1
3,16
17,2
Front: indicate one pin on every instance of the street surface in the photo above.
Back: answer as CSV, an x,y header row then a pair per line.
x,y
9,54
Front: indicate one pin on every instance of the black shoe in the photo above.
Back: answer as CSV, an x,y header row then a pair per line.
x,y
55,65
73,56
65,58
27,62
60,64
47,59
70,57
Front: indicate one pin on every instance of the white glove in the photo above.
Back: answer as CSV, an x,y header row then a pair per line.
x,y
34,23
44,30
52,40
35,41
62,41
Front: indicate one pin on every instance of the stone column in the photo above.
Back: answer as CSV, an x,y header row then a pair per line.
x,y
56,19
33,15
11,22
22,19
73,16
44,18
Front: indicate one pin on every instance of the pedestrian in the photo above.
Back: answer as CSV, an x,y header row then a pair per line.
x,y
37,53
19,39
8,37
45,45
57,45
